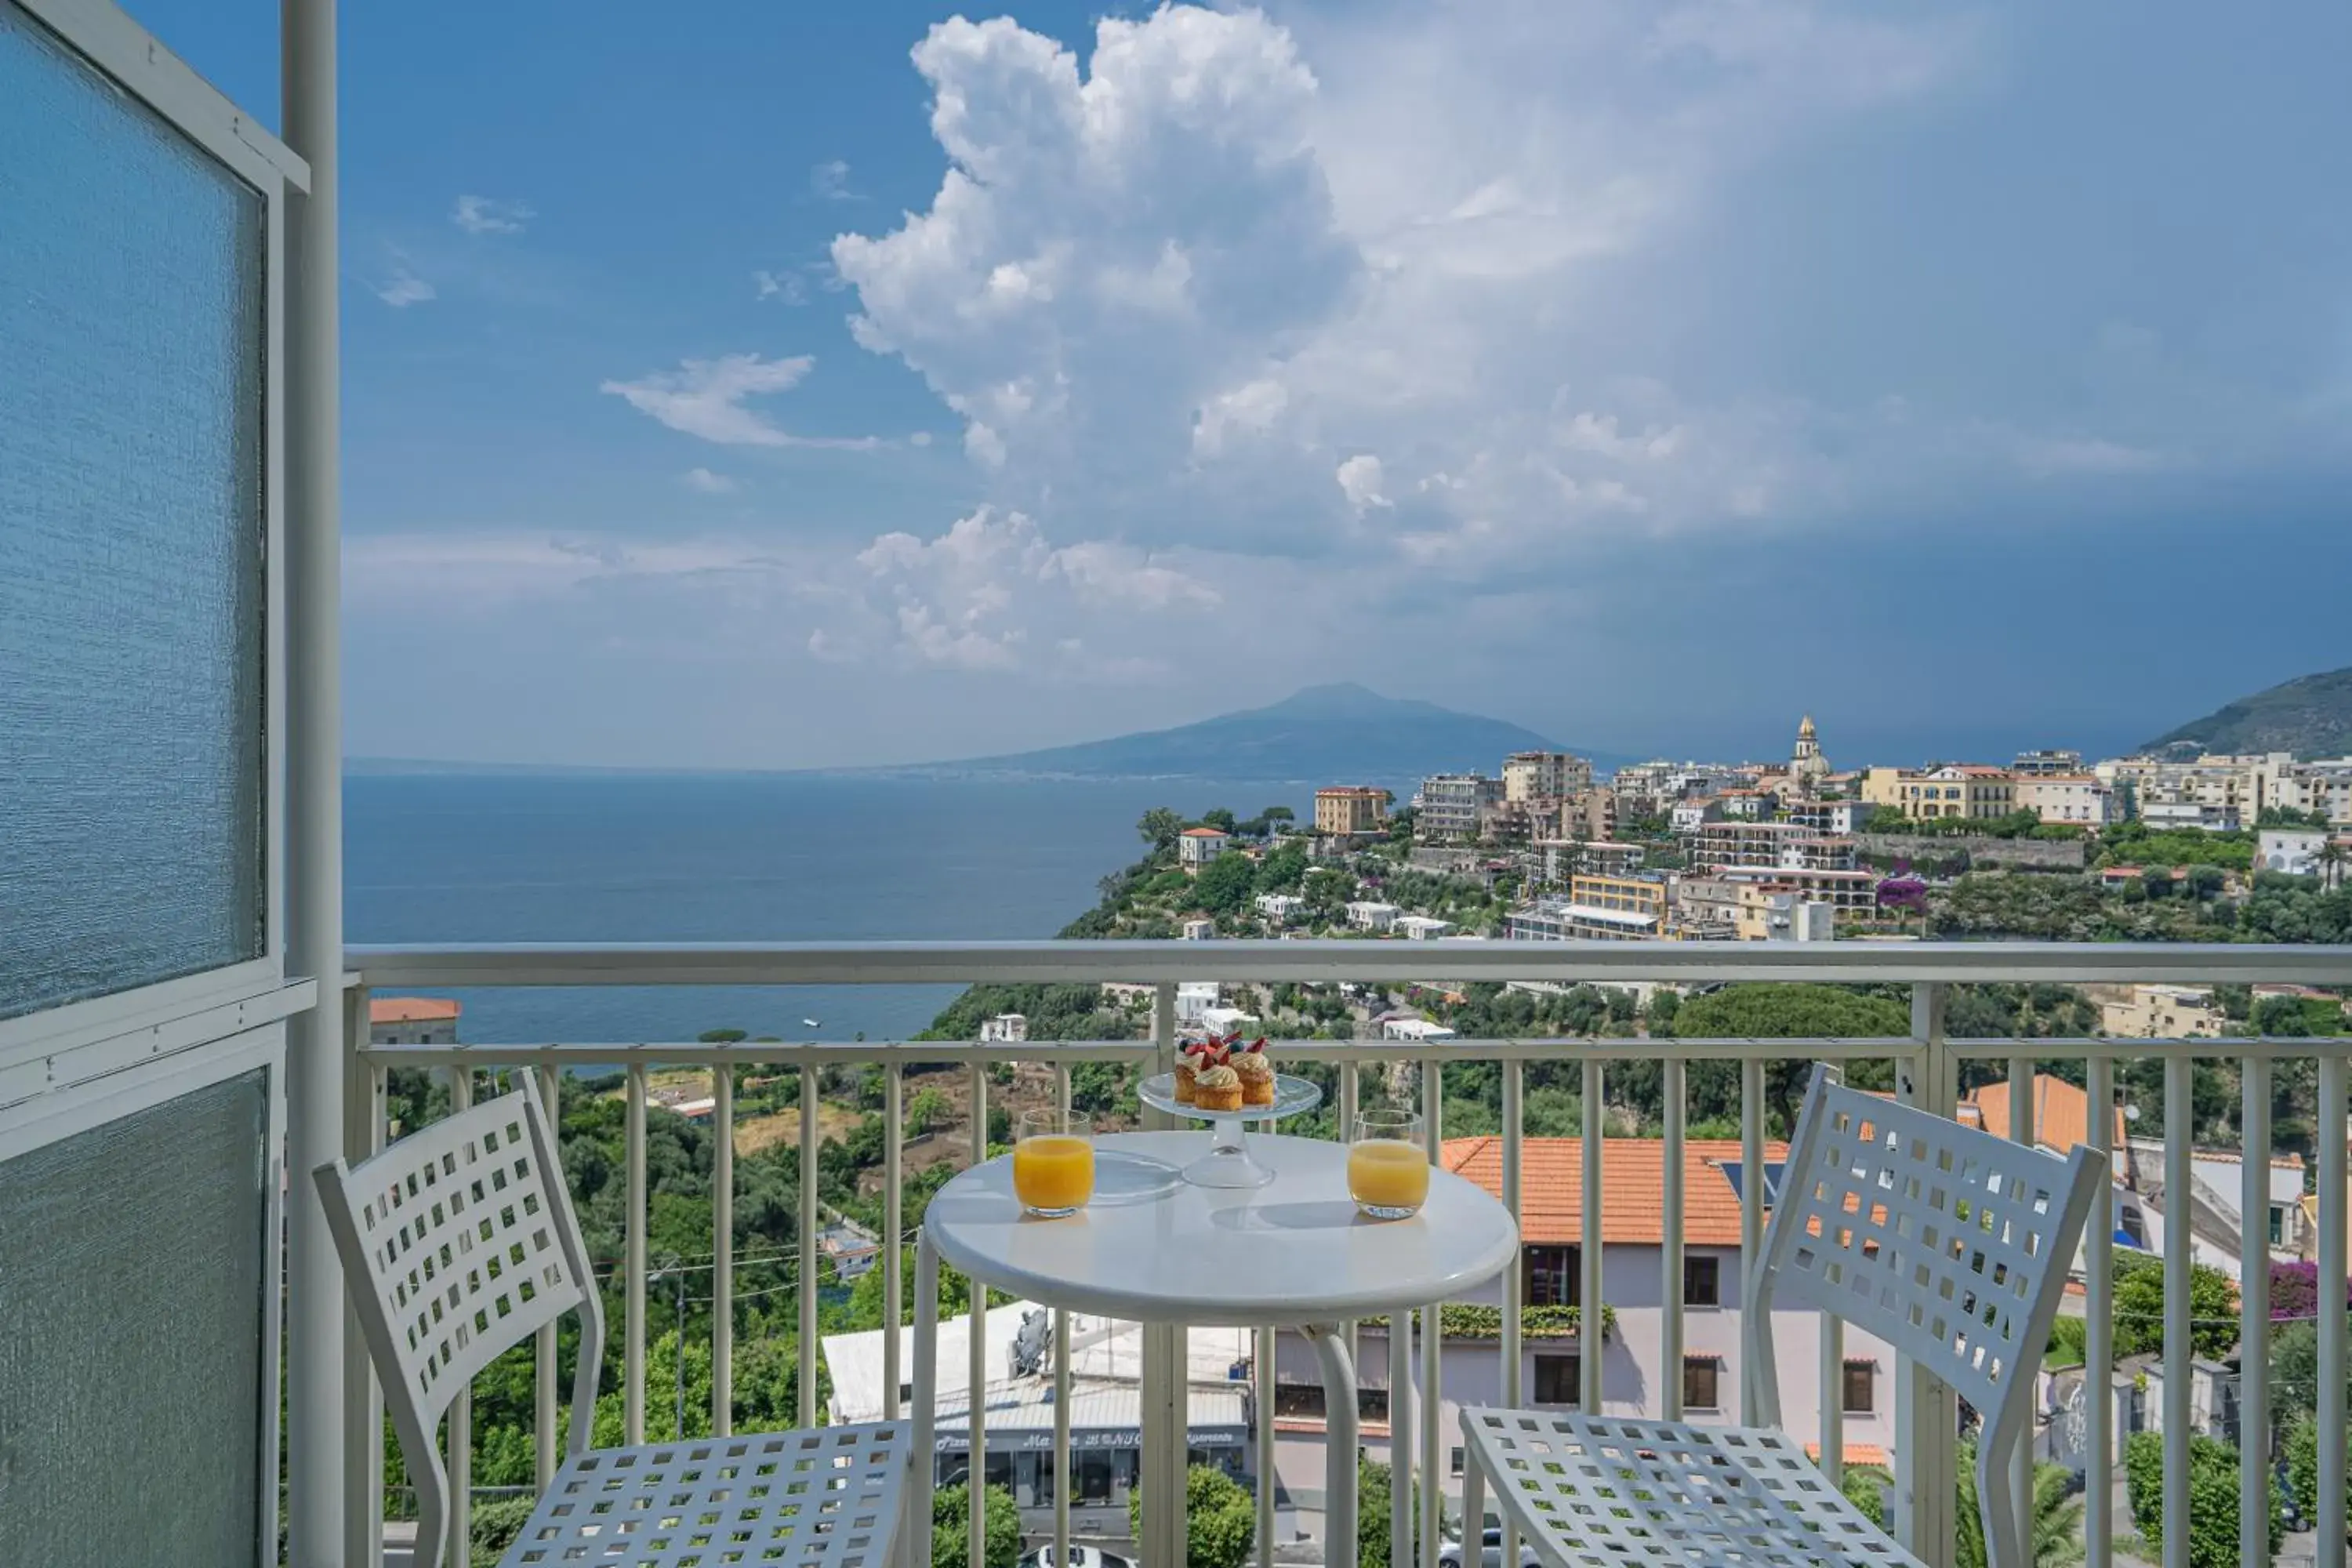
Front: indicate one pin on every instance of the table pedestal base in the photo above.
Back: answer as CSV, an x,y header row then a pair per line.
x,y
1227,1163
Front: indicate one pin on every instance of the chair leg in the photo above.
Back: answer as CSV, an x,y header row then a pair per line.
x,y
1474,1510
927,1401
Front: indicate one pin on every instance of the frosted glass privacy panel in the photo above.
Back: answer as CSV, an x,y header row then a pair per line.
x,y
132,1272
131,535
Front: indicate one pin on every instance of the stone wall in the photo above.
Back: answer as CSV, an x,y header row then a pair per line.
x,y
2033,853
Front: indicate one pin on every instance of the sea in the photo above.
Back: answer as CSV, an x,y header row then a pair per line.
x,y
448,859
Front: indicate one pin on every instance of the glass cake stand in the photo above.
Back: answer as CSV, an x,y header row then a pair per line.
x,y
1227,1163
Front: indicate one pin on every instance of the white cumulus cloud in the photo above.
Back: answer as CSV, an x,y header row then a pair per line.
x,y
708,483
993,592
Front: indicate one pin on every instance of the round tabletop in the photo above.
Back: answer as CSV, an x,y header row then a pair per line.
x,y
1290,1252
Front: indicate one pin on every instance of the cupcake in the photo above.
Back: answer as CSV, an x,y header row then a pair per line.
x,y
1217,1089
1188,1063
1255,1070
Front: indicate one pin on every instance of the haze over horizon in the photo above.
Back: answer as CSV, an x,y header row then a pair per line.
x,y
888,387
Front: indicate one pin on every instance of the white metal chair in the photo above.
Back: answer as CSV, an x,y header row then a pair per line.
x,y
459,1242
1949,1244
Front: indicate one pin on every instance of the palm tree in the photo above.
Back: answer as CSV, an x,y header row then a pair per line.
x,y
2056,1522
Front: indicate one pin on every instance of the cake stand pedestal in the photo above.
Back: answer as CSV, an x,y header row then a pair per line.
x,y
1227,1163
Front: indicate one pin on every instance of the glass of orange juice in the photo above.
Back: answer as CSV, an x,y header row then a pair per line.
x,y
1388,1170
1053,1163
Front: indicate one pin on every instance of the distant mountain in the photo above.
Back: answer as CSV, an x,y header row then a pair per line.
x,y
2310,716
1324,734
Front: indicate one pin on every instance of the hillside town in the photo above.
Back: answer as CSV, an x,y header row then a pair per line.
x,y
1794,850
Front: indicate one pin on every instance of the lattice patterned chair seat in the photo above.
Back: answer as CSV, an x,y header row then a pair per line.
x,y
827,1499
1947,1242
458,1243
1599,1491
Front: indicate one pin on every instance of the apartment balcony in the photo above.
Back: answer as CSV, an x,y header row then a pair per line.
x,y
1662,1321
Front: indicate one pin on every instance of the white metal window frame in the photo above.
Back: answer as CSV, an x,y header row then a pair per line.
x,y
86,1107
45,1051
71,1068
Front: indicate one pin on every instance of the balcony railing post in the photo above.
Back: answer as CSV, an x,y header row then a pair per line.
x,y
975,1401
548,1444
459,1423
1431,1430
812,1256
1515,1278
1670,1255
2020,1470
363,1092
2333,1220
722,1252
1925,1411
2099,1330
1061,1436
893,1158
1262,1354
1163,1370
2180,1131
2255,1315
1589,1251
632,1263
1751,1216
1402,1539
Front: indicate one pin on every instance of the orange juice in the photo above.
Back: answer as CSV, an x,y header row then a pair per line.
x,y
1388,1176
1053,1173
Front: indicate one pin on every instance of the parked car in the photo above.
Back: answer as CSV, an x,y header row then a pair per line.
x,y
1080,1557
1449,1556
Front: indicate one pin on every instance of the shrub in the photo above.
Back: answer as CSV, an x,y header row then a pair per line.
x,y
494,1524
1000,1526
1220,1519
1865,1487
2212,1499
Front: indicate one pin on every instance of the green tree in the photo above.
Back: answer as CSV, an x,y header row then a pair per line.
x,y
929,1110
1159,826
2140,1309
1217,817
2057,1521
1777,1012
1225,885
1220,1519
951,1523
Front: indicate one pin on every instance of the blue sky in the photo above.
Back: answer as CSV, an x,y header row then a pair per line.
x,y
805,385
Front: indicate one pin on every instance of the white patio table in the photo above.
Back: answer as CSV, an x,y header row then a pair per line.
x,y
1291,1253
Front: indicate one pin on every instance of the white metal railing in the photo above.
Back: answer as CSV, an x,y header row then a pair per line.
x,y
1927,1062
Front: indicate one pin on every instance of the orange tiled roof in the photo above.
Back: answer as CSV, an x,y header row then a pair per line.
x,y
2061,1112
1855,1454
411,1009
1206,833
1551,1187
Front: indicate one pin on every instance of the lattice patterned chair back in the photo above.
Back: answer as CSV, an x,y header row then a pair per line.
x,y
459,1242
1949,1244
